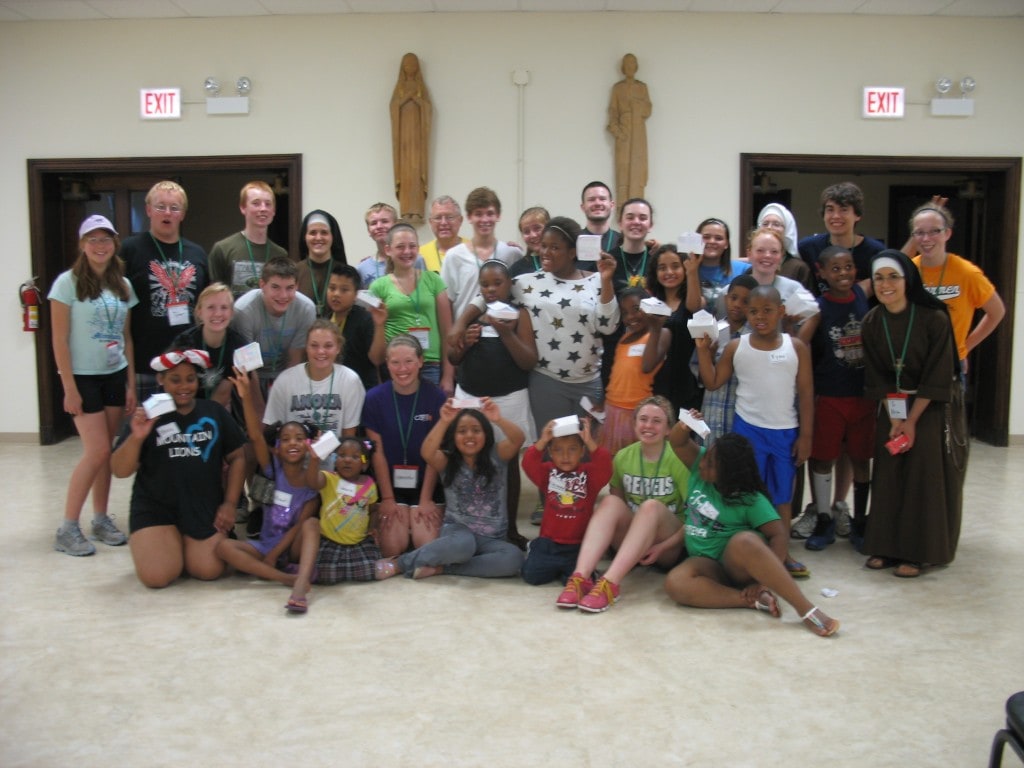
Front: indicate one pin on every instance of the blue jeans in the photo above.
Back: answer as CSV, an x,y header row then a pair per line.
x,y
464,553
548,561
431,372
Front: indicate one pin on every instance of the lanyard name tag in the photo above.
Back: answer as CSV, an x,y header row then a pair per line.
x,y
165,431
777,356
113,353
282,499
636,350
422,335
405,476
896,404
177,313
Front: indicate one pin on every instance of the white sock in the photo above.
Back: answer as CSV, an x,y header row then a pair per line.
x,y
821,485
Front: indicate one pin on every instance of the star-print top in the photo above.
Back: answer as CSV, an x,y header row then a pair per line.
x,y
568,320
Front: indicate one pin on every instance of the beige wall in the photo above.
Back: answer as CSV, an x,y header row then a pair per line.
x,y
721,84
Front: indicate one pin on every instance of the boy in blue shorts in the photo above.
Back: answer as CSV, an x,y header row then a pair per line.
x,y
841,413
774,398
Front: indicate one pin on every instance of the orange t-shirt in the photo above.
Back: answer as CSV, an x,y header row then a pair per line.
x,y
628,384
963,288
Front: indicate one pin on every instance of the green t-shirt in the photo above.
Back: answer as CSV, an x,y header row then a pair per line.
x,y
663,480
417,310
711,521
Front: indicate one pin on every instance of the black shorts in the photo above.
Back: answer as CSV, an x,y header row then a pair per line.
x,y
188,525
102,391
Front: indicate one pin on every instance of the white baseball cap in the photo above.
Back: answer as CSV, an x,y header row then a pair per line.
x,y
95,222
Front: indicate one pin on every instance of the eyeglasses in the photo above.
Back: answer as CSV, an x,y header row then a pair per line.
x,y
99,240
164,208
920,234
887,278
446,217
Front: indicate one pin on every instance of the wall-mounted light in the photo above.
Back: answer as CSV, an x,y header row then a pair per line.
x,y
943,106
227,105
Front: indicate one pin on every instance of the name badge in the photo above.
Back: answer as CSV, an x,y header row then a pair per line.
x,y
487,331
556,484
177,313
405,476
636,350
113,353
165,431
896,404
778,356
345,488
282,499
422,335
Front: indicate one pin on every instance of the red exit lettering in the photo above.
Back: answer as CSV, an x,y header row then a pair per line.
x,y
160,103
883,102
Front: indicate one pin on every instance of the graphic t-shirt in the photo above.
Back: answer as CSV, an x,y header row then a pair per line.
x,y
345,508
711,521
569,497
477,503
664,479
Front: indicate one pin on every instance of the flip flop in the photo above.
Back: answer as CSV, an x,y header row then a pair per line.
x,y
907,570
297,605
816,625
798,570
767,602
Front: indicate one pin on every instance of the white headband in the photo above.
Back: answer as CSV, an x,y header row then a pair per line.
x,y
317,218
887,261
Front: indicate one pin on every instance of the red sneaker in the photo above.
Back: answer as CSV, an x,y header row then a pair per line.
x,y
575,588
600,598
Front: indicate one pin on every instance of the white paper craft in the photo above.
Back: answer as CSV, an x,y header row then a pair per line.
x,y
367,299
802,304
248,358
701,324
690,242
588,247
588,406
653,306
697,426
566,425
466,402
499,310
158,405
325,445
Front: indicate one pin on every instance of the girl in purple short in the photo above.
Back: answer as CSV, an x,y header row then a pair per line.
x,y
295,498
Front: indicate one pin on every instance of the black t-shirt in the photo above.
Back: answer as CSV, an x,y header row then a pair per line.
x,y
181,464
358,335
162,275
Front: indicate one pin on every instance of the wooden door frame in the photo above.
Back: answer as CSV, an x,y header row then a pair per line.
x,y
1006,217
42,231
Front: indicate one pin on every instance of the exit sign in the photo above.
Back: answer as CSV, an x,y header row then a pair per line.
x,y
883,102
160,103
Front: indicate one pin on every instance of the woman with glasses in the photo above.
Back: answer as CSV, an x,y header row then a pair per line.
x,y
911,369
89,307
958,283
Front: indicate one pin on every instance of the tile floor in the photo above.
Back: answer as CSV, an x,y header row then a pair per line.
x,y
96,670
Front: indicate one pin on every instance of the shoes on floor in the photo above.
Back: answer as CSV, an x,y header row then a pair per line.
x,y
600,598
575,588
844,522
70,540
805,525
104,531
824,534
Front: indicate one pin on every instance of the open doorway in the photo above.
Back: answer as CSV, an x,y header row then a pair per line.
x,y
985,200
63,192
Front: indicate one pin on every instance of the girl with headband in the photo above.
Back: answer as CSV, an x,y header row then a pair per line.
x,y
181,507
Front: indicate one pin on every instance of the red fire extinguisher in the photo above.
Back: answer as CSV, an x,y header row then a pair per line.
x,y
30,301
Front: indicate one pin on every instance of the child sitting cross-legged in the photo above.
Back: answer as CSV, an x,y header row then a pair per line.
x,y
568,487
735,542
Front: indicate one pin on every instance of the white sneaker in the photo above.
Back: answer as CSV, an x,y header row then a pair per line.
x,y
844,522
70,540
804,525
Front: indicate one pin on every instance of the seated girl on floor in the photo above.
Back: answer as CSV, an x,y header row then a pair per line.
x,y
728,519
295,499
473,540
339,546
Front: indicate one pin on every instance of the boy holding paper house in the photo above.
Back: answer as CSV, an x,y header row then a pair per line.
x,y
774,398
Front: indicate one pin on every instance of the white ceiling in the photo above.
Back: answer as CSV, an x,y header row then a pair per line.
x,y
69,10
